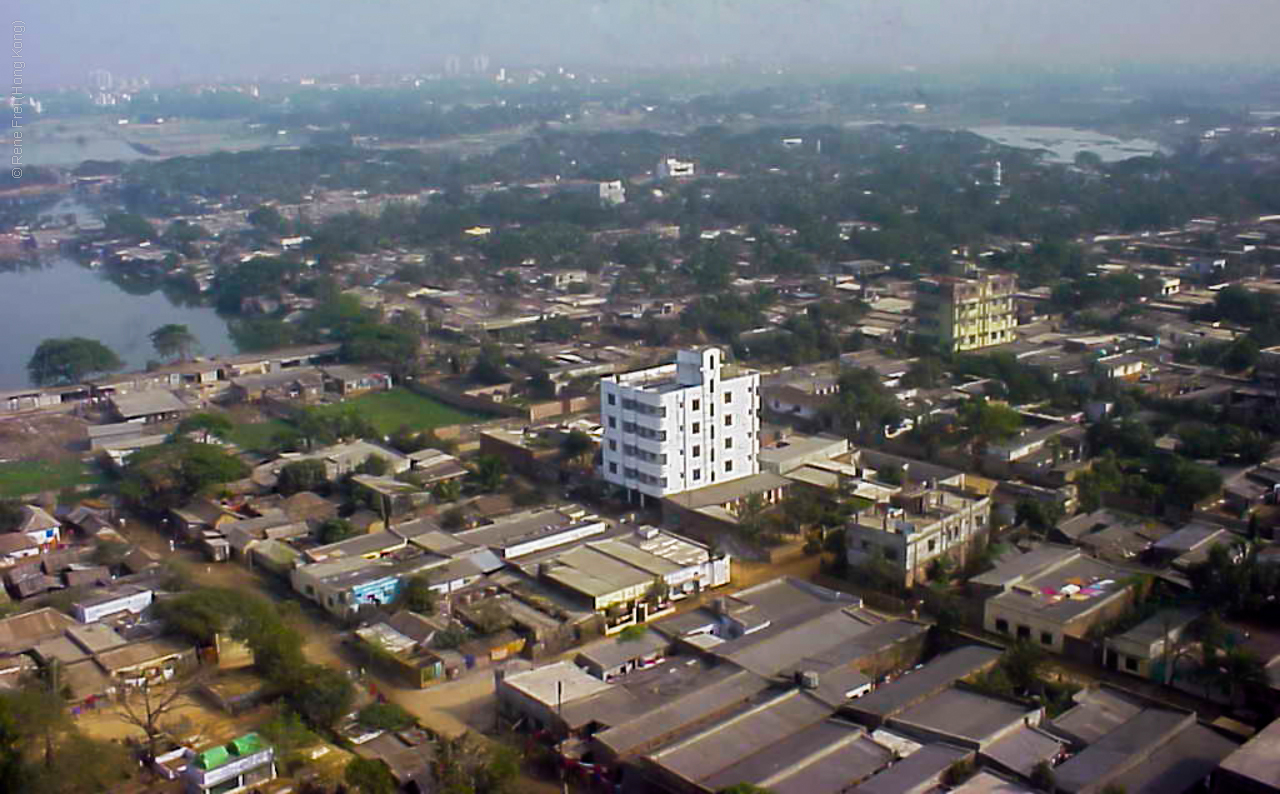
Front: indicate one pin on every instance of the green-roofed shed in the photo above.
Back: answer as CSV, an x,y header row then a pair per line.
x,y
213,758
248,744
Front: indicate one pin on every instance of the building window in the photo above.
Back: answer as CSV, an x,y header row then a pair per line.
x,y
728,397
697,450
1024,632
697,474
613,445
697,427
697,405
613,400
1002,625
728,419
1131,664
728,443
613,422
613,468
1046,638
728,465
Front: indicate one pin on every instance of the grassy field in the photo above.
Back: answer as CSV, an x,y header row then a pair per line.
x,y
257,436
23,477
391,410
388,411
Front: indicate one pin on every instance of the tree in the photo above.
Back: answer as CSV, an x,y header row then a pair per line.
x,y
447,490
334,530
418,596
576,445
387,716
154,700
1022,663
633,633
1042,777
13,773
40,712
302,475
453,518
369,776
490,472
751,515
69,360
206,424
1038,514
164,476
173,340
10,514
541,386
82,764
988,422
489,368
127,224
1239,671
268,219
322,695
925,373
375,465
467,764
864,405
959,772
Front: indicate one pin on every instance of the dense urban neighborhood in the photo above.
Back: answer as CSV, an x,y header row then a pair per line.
x,y
793,439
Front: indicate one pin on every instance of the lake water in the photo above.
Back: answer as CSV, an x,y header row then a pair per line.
x,y
70,153
63,298
1064,143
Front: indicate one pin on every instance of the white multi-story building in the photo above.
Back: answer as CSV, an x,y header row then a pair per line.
x,y
680,426
672,168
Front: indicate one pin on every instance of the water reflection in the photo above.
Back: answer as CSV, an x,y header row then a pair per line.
x,y
55,296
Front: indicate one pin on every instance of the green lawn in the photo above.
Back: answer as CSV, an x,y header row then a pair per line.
x,y
391,410
23,477
256,437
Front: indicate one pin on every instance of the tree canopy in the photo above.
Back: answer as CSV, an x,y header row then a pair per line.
x,y
69,360
173,340
206,424
164,476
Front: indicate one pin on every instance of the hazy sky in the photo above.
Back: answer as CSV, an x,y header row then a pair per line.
x,y
184,39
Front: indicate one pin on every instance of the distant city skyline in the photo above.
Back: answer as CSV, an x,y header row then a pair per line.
x,y
266,39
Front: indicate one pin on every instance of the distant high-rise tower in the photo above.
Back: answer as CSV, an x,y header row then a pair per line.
x,y
452,64
480,64
101,79
997,178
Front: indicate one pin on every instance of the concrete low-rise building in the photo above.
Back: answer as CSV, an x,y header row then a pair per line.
x,y
148,407
239,765
1148,649
1054,597
338,460
344,585
632,578
107,602
1253,768
916,528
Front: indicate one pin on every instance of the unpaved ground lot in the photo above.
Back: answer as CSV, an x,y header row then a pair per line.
x,y
52,437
